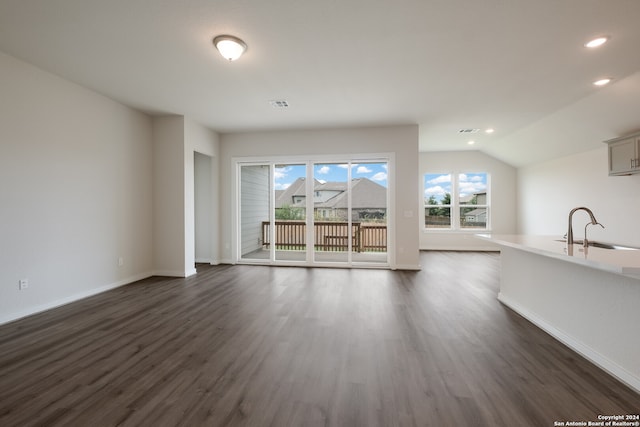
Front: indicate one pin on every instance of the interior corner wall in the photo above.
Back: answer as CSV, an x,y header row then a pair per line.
x,y
201,140
401,140
203,212
503,198
176,139
169,197
549,190
75,191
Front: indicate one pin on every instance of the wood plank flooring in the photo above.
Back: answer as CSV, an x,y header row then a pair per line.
x,y
284,346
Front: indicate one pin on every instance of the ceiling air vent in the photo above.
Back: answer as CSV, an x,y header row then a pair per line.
x,y
468,130
281,103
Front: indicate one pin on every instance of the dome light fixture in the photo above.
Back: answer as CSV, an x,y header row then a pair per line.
x,y
230,47
597,42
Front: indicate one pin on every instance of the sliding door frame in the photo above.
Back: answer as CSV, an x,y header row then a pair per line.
x,y
310,161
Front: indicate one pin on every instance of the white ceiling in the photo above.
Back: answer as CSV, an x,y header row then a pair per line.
x,y
515,65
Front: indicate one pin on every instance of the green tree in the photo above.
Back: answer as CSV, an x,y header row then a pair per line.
x,y
432,201
288,212
446,200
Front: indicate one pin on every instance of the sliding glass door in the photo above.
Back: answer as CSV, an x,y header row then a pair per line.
x,y
370,211
333,237
290,212
255,201
313,212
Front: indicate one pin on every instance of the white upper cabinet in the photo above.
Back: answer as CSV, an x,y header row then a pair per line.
x,y
624,155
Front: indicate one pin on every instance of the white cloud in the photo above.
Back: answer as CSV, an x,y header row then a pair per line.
x,y
385,167
470,178
281,173
346,166
440,179
380,176
471,187
279,186
363,170
324,170
436,190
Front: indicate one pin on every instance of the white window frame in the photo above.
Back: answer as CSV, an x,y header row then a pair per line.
x,y
455,205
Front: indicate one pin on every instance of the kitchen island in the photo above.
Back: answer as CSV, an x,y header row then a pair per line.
x,y
587,298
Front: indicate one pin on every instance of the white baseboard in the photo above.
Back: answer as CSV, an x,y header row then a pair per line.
x,y
72,298
587,352
175,273
462,248
413,267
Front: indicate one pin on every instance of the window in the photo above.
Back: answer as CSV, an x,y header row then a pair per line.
x,y
456,201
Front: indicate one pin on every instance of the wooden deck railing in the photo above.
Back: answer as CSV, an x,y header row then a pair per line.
x,y
328,236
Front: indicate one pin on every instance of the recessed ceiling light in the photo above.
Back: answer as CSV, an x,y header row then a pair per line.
x,y
599,41
468,130
602,82
471,142
489,130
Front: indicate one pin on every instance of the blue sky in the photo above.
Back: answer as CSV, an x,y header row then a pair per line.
x,y
326,172
438,184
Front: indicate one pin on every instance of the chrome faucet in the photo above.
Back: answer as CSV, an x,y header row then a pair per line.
x,y
594,221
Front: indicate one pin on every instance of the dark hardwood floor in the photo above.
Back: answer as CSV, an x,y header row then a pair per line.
x,y
283,346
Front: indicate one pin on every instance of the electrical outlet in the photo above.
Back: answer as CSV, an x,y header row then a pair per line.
x,y
23,284
120,262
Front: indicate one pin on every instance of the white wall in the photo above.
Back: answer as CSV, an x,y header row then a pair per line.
x,y
75,191
401,140
203,213
169,197
549,190
200,139
175,140
503,198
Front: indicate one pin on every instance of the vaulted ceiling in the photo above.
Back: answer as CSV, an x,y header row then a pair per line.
x,y
518,66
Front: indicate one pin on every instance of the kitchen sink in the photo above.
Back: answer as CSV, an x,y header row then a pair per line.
x,y
603,245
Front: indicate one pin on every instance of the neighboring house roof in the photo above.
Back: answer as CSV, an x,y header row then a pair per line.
x,y
468,198
365,194
286,197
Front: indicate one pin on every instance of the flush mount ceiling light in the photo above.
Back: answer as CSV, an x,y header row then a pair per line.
x,y
230,47
598,41
602,82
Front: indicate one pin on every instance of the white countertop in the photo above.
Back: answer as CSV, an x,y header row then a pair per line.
x,y
625,262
